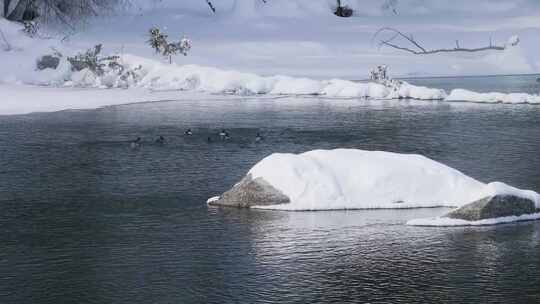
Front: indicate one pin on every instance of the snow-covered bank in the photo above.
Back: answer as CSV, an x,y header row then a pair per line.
x,y
494,97
23,99
357,179
151,74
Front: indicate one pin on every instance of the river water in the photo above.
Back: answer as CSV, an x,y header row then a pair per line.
x,y
86,219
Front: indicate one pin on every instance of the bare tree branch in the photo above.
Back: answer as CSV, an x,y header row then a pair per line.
x,y
416,47
211,6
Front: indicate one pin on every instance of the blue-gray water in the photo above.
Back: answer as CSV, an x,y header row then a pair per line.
x,y
86,219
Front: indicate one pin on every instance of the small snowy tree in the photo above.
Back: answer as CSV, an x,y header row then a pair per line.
x,y
158,42
380,76
31,28
93,61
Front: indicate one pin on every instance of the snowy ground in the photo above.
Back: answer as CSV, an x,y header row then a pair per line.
x,y
22,99
240,49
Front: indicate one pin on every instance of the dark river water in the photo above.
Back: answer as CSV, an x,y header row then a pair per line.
x,y
86,219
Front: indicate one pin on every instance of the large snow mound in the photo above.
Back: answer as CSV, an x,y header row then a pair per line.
x,y
357,179
494,97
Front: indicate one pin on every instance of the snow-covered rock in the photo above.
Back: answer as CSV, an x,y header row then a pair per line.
x,y
357,179
494,207
250,192
466,95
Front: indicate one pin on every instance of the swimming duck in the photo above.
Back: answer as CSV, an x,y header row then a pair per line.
x,y
224,134
160,140
136,143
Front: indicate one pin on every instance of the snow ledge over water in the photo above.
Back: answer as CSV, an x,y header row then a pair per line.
x,y
494,97
446,222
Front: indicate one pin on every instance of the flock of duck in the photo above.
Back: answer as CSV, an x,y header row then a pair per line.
x,y
223,135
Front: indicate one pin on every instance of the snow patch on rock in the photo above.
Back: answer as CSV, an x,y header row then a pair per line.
x,y
357,179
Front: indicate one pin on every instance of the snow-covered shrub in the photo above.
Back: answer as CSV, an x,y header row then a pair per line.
x,y
90,69
31,28
380,76
158,42
92,61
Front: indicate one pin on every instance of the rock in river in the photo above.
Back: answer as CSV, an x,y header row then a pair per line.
x,y
250,192
494,207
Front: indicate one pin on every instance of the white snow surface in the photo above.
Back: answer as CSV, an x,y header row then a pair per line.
x,y
466,95
23,99
158,76
17,67
358,179
445,222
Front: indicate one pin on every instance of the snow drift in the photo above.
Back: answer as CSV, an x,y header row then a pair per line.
x,y
466,95
145,73
357,179
447,222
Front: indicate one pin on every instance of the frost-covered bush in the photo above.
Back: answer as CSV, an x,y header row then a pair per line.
x,y
158,42
92,61
380,75
30,28
92,69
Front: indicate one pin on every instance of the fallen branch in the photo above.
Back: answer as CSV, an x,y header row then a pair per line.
x,y
415,47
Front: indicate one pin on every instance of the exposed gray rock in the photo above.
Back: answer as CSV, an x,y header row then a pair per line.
x,y
493,207
48,62
251,192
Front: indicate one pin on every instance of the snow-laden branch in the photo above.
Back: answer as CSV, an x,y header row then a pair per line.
x,y
411,45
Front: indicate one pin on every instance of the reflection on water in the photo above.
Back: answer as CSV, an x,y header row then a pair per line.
x,y
87,219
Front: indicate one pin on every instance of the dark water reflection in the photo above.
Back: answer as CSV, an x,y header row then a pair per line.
x,y
86,219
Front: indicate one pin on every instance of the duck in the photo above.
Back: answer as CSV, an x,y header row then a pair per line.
x,y
136,143
224,134
160,140
188,132
258,137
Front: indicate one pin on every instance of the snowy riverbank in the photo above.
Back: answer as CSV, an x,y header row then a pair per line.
x,y
238,61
